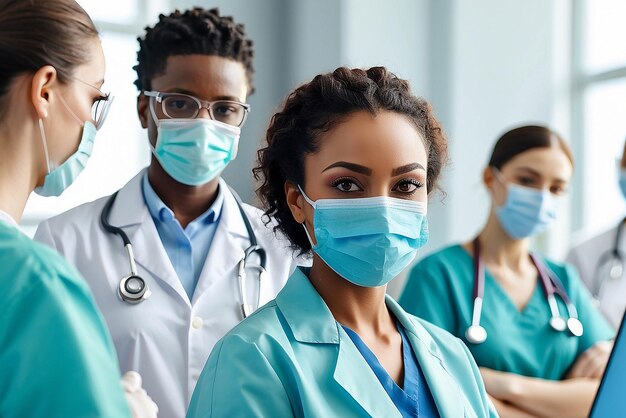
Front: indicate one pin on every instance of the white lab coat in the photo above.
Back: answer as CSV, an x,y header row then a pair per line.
x,y
586,257
166,338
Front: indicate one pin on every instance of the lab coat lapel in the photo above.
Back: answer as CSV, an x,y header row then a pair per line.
x,y
131,213
311,322
445,390
227,248
357,378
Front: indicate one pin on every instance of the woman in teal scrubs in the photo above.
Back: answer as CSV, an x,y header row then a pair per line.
x,y
349,163
56,356
530,369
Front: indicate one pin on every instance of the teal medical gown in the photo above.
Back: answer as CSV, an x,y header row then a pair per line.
x,y
439,290
291,358
56,356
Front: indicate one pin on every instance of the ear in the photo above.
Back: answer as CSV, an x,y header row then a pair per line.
x,y
295,201
488,177
143,103
40,89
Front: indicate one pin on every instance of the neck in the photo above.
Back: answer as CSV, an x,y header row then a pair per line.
x,y
22,163
498,248
187,202
361,309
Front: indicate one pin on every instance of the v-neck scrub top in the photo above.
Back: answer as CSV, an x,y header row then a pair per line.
x,y
413,399
439,289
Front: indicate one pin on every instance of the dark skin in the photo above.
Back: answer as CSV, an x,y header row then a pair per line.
x,y
206,77
364,156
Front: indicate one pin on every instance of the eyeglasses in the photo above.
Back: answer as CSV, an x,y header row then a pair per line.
x,y
184,106
101,105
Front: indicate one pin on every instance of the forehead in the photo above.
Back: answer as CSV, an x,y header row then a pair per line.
x,y
207,76
386,139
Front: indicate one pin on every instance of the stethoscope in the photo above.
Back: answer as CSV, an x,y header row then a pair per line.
x,y
477,334
614,260
134,289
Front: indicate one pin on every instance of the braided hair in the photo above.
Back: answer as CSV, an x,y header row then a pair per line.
x,y
194,31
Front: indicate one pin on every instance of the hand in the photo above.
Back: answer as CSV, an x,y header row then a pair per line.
x,y
140,404
591,363
499,385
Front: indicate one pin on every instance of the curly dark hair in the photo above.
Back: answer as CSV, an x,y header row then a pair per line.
x,y
195,31
318,106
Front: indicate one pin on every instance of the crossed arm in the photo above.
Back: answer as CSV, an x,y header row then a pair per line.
x,y
516,396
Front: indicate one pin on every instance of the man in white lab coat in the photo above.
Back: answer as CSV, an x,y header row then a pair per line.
x,y
187,230
601,262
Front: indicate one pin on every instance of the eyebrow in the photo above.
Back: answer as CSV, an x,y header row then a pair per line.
x,y
350,166
406,168
191,93
537,174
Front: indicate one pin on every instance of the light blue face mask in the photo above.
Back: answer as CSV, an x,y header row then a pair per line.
x,y
61,177
622,181
194,151
527,211
368,241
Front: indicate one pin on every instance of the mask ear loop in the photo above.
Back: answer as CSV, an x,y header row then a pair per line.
x,y
312,203
45,145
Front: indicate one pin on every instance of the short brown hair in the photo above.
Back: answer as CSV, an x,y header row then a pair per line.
x,y
35,33
525,138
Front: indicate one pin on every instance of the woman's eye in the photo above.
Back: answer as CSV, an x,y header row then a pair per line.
x,y
526,181
557,190
346,186
407,186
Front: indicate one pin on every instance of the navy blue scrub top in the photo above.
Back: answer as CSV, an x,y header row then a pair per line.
x,y
415,400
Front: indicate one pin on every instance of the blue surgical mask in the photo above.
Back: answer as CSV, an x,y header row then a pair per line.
x,y
194,151
527,211
61,177
622,181
368,241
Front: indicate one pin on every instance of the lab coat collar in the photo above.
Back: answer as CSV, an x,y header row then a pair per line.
x,y
311,321
131,213
306,312
227,248
444,388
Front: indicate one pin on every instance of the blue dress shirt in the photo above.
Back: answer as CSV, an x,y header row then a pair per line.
x,y
186,248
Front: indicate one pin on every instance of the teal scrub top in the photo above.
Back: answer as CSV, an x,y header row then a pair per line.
x,y
439,289
292,359
56,356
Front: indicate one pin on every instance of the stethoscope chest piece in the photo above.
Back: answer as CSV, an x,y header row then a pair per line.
x,y
476,334
558,323
133,289
575,327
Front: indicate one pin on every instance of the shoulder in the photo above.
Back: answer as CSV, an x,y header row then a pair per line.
x,y
452,255
264,322
78,216
443,265
601,241
33,266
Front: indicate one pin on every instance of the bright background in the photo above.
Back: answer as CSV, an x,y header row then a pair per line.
x,y
486,65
